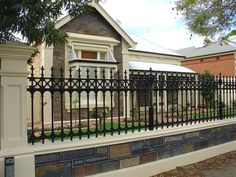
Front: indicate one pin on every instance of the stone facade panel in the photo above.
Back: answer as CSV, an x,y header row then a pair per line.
x,y
110,166
47,158
86,170
102,150
129,162
148,157
95,160
154,142
70,155
120,150
55,170
173,138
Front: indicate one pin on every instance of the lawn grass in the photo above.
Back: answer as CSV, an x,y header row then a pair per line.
x,y
109,129
114,128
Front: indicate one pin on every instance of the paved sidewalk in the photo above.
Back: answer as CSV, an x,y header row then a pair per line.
x,y
229,170
221,166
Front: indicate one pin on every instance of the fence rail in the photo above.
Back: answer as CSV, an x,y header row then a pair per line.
x,y
97,102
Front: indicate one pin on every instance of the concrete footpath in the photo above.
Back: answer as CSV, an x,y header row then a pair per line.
x,y
229,170
221,166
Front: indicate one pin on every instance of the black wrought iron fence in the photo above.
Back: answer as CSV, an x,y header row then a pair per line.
x,y
97,102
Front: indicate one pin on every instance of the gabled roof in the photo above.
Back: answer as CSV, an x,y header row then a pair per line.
x,y
215,48
105,15
144,45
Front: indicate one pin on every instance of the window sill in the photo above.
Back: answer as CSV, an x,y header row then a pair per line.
x,y
92,61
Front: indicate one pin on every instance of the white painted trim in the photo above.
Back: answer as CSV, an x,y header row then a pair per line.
x,y
73,52
15,50
87,46
114,24
25,165
84,64
154,55
63,21
109,19
13,73
91,39
67,145
159,166
111,56
96,48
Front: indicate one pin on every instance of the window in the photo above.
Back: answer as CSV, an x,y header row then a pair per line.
x,y
92,52
84,95
81,52
91,75
102,55
88,55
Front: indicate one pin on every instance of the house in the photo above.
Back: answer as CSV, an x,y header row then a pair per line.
x,y
96,41
216,57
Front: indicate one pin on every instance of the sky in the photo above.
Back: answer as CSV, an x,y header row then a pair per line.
x,y
153,20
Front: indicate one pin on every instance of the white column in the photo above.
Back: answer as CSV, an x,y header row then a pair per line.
x,y
126,107
165,100
165,96
13,107
197,102
47,57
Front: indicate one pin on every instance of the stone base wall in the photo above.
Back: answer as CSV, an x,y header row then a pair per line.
x,y
96,160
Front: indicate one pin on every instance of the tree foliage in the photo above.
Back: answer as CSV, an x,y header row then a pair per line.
x,y
35,20
206,80
209,18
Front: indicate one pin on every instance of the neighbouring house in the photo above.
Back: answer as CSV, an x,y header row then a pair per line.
x,y
96,41
217,57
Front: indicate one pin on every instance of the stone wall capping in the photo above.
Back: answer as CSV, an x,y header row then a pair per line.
x,y
67,145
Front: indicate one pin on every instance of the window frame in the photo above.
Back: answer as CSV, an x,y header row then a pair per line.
x,y
78,48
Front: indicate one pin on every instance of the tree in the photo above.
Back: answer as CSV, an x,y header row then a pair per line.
x,y
207,85
209,18
35,19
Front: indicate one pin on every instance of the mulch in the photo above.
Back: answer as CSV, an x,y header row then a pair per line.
x,y
194,170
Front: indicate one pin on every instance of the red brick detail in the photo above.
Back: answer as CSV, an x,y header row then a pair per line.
x,y
224,64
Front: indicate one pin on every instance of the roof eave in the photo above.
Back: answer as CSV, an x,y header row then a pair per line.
x,y
210,55
155,53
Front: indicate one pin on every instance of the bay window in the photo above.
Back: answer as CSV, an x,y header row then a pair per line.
x,y
90,52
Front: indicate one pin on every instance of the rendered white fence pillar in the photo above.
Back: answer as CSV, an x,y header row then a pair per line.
x,y
1,167
13,107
